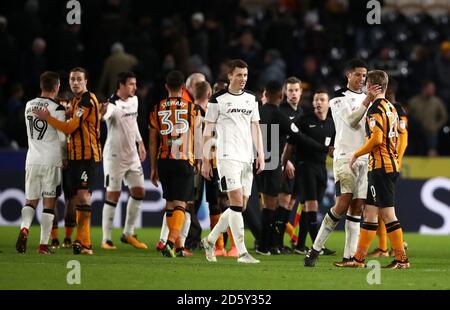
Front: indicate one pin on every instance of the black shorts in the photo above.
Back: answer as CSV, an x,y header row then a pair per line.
x,y
212,188
80,174
67,184
381,188
310,181
177,179
270,182
287,185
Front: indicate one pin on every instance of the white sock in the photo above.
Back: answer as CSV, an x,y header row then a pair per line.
x,y
221,227
133,207
236,222
46,225
164,230
352,228
27,217
108,220
327,227
186,226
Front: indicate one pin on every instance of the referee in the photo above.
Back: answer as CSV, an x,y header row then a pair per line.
x,y
311,179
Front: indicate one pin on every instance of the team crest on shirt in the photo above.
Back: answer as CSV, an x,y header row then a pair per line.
x,y
372,122
402,124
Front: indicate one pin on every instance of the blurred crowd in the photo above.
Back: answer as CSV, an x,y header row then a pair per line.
x,y
277,38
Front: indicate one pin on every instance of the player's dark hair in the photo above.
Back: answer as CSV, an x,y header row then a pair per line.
x,y
79,69
321,90
174,80
49,80
273,87
236,63
355,63
123,77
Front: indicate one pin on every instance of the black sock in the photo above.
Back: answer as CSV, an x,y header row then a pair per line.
x,y
303,230
312,224
267,221
281,219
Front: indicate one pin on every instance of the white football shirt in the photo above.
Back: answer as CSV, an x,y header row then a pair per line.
x,y
233,115
123,131
348,139
46,145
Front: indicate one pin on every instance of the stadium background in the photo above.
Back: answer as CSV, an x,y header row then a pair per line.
x,y
309,39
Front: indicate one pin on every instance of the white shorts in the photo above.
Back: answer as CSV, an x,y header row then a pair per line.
x,y
42,181
234,174
114,172
348,181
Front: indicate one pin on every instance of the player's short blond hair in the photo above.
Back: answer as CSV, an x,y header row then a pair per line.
x,y
378,77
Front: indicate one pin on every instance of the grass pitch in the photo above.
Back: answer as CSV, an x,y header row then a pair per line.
x,y
128,268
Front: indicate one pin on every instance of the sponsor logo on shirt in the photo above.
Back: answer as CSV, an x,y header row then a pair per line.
x,y
237,110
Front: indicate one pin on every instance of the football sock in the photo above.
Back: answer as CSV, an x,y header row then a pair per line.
x,y
55,232
133,208
302,230
267,228
236,222
109,209
46,225
382,235
395,234
329,223
214,219
83,225
312,224
281,218
368,232
185,229
352,228
220,227
27,216
176,223
164,228
68,230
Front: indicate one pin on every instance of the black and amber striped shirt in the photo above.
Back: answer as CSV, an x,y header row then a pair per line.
x,y
382,136
83,129
175,118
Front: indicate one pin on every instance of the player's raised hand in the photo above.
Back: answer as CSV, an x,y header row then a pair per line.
x,y
41,112
373,91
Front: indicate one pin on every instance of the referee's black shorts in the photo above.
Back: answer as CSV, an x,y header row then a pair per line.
x,y
270,182
381,188
177,179
311,181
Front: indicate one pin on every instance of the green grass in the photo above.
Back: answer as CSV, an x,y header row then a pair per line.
x,y
127,268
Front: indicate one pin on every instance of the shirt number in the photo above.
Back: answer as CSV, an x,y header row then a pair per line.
x,y
38,126
181,125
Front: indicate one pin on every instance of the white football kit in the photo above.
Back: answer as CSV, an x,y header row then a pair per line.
x,y
46,150
120,155
233,115
348,140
